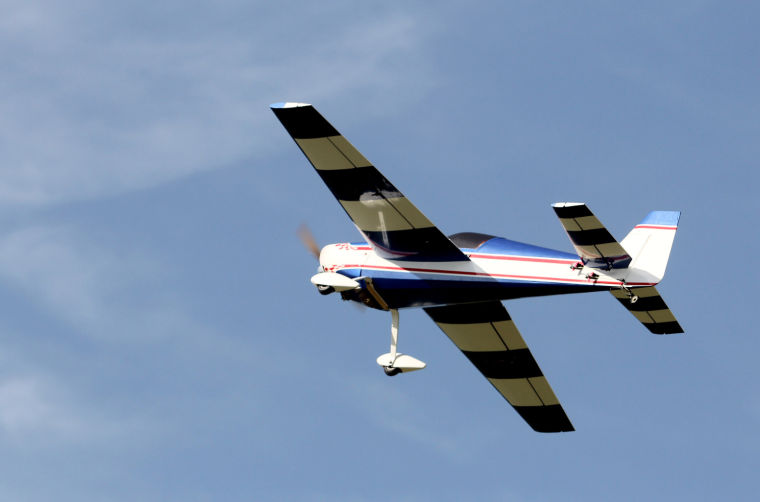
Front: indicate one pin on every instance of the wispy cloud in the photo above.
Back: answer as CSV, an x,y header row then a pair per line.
x,y
394,411
24,408
96,101
50,390
64,275
91,288
32,407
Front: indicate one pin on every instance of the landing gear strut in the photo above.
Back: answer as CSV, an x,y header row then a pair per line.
x,y
394,362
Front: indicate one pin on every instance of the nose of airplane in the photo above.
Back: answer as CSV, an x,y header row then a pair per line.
x,y
327,256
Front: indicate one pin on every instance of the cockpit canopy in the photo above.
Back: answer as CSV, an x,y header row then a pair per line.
x,y
470,240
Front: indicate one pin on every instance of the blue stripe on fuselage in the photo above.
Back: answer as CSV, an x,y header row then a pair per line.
x,y
400,289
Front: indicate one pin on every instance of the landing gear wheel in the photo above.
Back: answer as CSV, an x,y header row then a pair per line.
x,y
325,290
634,299
391,371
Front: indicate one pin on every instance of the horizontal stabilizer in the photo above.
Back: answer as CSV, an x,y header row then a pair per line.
x,y
596,247
650,309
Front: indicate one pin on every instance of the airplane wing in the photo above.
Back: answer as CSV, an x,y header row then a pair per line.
x,y
485,333
593,243
650,309
389,221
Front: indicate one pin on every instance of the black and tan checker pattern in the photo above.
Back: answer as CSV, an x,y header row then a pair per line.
x,y
650,309
485,333
593,243
382,213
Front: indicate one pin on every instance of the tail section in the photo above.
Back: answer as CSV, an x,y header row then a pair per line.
x,y
649,245
639,261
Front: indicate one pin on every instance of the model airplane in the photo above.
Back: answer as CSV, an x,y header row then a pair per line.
x,y
460,280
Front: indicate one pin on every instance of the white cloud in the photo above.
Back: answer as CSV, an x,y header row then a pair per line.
x,y
99,100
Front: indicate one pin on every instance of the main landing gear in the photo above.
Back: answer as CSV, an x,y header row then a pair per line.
x,y
394,362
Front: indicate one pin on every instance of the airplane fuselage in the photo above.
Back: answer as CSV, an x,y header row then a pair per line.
x,y
498,269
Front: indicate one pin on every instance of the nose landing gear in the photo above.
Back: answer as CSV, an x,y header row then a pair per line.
x,y
394,362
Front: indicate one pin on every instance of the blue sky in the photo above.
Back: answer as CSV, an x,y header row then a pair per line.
x,y
159,338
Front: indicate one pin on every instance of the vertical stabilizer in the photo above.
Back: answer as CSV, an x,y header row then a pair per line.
x,y
649,245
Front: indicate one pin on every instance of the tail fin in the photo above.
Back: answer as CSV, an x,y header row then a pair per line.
x,y
649,244
642,258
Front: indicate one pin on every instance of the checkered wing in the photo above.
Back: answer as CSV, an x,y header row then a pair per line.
x,y
389,221
485,333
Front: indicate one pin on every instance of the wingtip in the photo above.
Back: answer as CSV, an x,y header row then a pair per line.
x,y
288,105
568,204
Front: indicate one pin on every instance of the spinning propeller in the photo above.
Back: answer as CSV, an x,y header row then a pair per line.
x,y
308,240
326,282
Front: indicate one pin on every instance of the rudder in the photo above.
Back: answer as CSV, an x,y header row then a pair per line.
x,y
649,244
